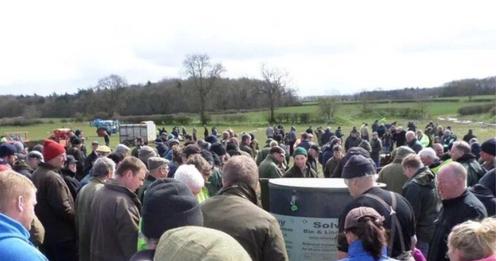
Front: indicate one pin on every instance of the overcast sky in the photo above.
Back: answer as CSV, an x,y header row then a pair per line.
x,y
326,47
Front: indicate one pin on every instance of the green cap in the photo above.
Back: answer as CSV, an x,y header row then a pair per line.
x,y
300,151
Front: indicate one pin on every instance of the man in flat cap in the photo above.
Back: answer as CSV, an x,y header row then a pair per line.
x,y
158,169
269,168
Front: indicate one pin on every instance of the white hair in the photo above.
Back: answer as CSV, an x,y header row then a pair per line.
x,y
122,149
102,166
427,153
410,133
191,176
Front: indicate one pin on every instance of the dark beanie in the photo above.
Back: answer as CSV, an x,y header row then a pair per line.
x,y
7,149
358,166
75,140
168,204
208,156
211,139
231,146
218,149
489,146
191,150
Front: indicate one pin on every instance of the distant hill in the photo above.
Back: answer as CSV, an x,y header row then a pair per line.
x,y
464,87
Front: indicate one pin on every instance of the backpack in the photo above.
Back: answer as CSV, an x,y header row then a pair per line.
x,y
395,225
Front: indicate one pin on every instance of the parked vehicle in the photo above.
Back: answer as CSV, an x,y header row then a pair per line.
x,y
129,132
111,126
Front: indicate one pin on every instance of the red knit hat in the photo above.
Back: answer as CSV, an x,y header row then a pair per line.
x,y
52,149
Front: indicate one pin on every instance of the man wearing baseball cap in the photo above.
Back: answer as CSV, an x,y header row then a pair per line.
x,y
55,208
8,153
359,174
366,235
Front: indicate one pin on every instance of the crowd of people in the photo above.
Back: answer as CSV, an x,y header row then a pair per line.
x,y
189,198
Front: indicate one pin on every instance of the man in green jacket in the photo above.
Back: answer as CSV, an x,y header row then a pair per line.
x,y
101,171
269,168
235,211
56,207
393,174
114,233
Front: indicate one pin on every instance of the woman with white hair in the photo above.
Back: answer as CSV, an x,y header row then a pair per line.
x,y
191,176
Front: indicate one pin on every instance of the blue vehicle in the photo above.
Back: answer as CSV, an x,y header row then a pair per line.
x,y
111,126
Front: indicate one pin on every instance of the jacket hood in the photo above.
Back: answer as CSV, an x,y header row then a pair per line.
x,y
401,153
10,228
423,177
241,190
466,157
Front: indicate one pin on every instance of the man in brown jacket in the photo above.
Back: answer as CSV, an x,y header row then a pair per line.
x,y
101,171
116,213
235,211
55,208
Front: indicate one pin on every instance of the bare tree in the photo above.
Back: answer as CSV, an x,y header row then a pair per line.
x,y
204,75
112,81
274,87
110,88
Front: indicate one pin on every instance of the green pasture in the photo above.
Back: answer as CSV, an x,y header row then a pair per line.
x,y
346,116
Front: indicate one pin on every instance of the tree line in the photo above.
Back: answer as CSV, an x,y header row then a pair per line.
x,y
464,87
202,90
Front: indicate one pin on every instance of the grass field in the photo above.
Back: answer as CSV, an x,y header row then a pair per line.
x,y
347,116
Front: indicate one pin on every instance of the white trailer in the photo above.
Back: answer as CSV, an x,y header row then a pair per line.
x,y
129,132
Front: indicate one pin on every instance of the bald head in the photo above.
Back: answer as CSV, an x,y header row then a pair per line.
x,y
451,181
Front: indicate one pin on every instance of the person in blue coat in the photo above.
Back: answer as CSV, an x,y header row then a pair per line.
x,y
17,211
365,234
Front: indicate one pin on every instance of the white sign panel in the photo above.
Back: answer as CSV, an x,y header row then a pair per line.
x,y
309,239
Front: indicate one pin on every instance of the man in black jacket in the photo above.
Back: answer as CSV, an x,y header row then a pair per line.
x,y
420,191
461,152
360,175
459,205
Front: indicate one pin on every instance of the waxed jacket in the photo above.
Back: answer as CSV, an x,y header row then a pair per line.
x,y
269,168
474,169
234,211
392,174
84,218
116,213
55,206
420,191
